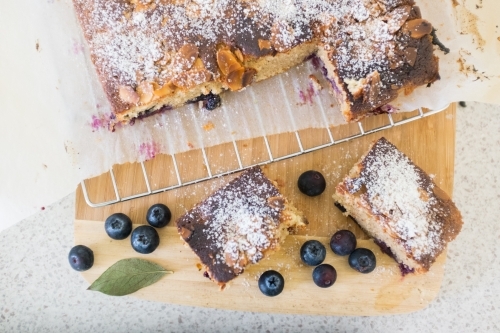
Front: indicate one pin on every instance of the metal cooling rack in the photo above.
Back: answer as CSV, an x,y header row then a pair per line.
x,y
211,175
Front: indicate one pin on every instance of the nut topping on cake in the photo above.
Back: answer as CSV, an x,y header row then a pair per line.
x,y
418,28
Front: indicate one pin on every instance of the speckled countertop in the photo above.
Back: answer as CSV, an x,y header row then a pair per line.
x,y
39,292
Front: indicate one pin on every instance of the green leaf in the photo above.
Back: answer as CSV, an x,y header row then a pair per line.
x,y
127,276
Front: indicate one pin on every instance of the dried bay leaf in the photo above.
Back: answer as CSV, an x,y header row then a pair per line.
x,y
127,276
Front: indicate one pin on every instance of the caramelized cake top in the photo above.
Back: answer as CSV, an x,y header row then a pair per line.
x,y
143,49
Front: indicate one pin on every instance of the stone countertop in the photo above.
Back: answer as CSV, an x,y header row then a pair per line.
x,y
39,292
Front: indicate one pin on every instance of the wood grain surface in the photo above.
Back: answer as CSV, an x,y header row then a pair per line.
x,y
429,142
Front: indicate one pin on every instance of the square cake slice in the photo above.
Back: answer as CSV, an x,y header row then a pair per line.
x,y
239,224
400,206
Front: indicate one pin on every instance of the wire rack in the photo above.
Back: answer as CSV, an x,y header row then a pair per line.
x,y
271,158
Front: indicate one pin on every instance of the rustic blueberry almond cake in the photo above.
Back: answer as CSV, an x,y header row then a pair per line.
x,y
238,225
153,55
400,206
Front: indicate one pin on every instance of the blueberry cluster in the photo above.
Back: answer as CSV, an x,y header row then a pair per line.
x,y
313,253
144,239
343,243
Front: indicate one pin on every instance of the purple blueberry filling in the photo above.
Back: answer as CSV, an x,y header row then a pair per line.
x,y
149,113
315,61
319,65
384,109
387,250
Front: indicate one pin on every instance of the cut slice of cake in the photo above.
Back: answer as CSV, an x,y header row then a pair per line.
x,y
238,225
153,55
400,206
371,57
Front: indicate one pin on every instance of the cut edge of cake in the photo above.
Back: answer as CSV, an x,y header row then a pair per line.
x,y
399,206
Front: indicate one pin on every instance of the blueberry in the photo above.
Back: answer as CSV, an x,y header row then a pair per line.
x,y
271,283
118,226
145,239
312,253
343,242
363,260
212,102
81,258
324,275
158,215
311,183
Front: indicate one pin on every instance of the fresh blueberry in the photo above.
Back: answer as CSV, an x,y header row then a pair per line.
x,y
271,283
363,260
158,215
324,275
311,183
212,102
81,258
312,252
145,239
118,226
343,242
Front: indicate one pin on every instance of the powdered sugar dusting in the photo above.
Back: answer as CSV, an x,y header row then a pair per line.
x,y
134,40
402,198
242,223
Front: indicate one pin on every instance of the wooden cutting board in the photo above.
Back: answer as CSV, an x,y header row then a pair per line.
x,y
429,142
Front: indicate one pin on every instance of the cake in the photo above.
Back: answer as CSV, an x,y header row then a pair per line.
x,y
238,225
155,55
400,206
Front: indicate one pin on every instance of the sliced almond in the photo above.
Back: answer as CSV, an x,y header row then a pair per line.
x,y
264,44
185,58
239,55
145,91
418,28
198,64
240,78
166,90
235,79
248,76
397,18
128,95
227,61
